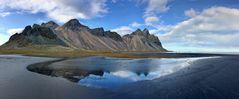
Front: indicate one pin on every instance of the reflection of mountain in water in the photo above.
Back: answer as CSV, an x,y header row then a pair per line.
x,y
73,75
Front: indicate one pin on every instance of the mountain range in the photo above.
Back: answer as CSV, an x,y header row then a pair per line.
x,y
74,35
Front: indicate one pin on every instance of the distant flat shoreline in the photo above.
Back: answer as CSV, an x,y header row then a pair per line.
x,y
119,54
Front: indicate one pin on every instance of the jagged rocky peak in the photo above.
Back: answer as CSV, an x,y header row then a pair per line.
x,y
101,32
145,32
74,25
137,31
14,36
146,35
73,22
26,30
36,30
50,24
36,26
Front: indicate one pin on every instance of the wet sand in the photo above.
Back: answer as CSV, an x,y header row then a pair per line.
x,y
214,78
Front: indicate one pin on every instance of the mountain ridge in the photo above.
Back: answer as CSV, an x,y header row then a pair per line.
x,y
75,35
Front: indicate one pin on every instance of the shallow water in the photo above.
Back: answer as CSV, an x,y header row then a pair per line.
x,y
107,72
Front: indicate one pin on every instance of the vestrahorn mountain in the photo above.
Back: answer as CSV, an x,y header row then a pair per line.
x,y
75,35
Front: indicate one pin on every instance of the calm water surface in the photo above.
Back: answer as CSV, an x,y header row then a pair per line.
x,y
107,72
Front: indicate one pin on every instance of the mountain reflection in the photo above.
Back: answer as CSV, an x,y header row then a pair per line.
x,y
106,72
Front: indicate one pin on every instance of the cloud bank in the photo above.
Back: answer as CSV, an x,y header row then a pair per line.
x,y
216,27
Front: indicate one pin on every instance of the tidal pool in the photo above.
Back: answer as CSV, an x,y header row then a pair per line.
x,y
108,72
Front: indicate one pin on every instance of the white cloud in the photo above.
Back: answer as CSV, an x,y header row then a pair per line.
x,y
4,14
156,6
151,20
123,30
216,27
135,24
191,13
14,30
60,10
161,29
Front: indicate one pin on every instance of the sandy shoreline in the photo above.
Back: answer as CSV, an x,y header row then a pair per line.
x,y
213,78
118,54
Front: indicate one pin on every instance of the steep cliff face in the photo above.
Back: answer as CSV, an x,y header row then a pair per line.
x,y
75,35
79,36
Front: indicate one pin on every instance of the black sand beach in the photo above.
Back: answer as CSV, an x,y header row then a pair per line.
x,y
212,78
215,78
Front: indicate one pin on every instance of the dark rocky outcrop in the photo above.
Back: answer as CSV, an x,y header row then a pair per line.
x,y
102,33
35,35
142,40
98,31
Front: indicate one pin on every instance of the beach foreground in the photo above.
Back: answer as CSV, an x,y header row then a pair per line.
x,y
210,78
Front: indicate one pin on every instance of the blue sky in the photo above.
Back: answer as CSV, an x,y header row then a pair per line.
x,y
181,25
